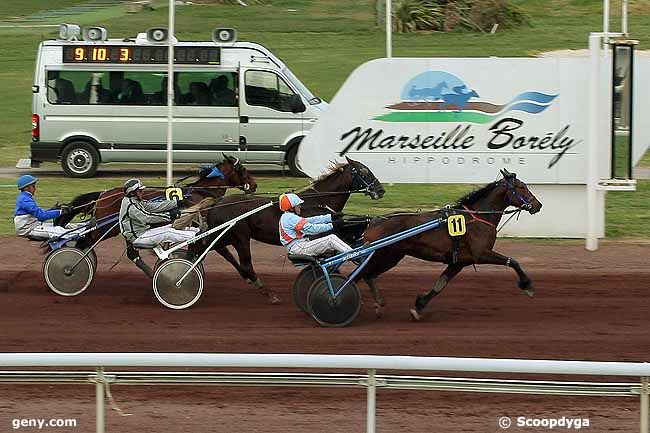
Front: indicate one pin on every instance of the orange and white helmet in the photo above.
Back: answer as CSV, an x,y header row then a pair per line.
x,y
289,201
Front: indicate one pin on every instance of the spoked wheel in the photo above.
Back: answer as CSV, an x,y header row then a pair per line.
x,y
182,254
334,312
303,283
61,274
169,292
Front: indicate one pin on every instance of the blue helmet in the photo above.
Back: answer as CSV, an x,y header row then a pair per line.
x,y
26,180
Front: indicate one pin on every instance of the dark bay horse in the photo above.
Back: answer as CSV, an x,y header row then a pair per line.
x,y
102,204
328,193
482,209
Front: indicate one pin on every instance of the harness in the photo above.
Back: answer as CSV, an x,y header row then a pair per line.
x,y
475,218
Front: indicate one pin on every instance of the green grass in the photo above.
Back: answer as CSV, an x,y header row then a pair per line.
x,y
627,214
322,41
21,8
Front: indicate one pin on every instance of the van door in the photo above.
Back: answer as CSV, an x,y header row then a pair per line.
x,y
266,117
206,116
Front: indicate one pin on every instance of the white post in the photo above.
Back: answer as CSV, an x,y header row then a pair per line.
x,y
644,405
605,20
170,92
592,162
372,401
99,400
624,18
389,29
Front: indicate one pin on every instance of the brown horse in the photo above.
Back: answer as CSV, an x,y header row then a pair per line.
x,y
106,203
329,193
483,210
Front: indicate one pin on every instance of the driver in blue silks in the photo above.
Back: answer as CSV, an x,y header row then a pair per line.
x,y
29,218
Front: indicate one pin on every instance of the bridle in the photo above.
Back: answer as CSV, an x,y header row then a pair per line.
x,y
237,168
527,202
358,177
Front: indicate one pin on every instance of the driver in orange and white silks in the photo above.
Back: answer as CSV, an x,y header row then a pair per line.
x,y
294,229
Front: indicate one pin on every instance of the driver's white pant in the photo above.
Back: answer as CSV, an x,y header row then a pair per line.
x,y
158,235
46,231
319,247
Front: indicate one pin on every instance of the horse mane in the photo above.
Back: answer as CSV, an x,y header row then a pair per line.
x,y
333,168
473,196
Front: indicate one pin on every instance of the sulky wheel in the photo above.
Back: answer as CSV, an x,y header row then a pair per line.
x,y
332,312
165,285
181,254
92,255
61,274
303,283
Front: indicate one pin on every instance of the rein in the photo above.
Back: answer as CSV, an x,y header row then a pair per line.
x,y
277,200
478,219
149,187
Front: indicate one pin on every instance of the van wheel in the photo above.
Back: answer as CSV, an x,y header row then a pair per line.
x,y
291,161
80,159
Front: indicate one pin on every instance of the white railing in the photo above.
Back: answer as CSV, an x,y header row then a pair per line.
x,y
367,363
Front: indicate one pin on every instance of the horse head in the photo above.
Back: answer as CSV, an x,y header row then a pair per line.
x,y
362,179
236,174
518,194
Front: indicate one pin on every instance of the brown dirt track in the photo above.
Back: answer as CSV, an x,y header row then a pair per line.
x,y
591,306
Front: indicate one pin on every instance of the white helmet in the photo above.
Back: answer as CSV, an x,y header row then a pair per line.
x,y
132,185
289,201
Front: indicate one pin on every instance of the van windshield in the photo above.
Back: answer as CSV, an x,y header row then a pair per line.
x,y
304,91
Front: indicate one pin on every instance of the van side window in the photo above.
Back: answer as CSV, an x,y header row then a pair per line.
x,y
216,89
266,89
207,89
63,87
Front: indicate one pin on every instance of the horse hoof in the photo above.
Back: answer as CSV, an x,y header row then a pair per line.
x,y
415,316
379,311
274,299
530,292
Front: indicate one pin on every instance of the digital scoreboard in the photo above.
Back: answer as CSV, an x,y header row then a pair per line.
x,y
140,54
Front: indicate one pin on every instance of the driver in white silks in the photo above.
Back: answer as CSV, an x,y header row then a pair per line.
x,y
294,229
137,215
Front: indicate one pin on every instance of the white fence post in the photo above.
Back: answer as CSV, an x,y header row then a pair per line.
x,y
593,146
371,412
389,28
99,399
644,405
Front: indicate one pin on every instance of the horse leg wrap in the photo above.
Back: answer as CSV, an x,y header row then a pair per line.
x,y
257,284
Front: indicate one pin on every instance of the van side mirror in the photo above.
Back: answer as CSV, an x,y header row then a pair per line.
x,y
296,104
